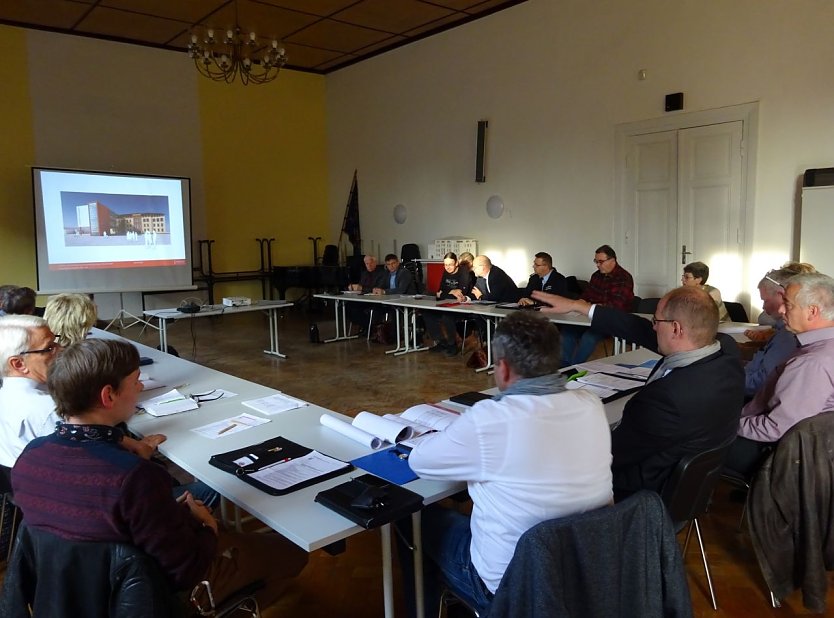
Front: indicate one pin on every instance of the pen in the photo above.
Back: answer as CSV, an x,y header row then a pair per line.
x,y
161,403
577,375
275,449
225,429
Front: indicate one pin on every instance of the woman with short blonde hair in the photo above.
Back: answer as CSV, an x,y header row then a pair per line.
x,y
70,317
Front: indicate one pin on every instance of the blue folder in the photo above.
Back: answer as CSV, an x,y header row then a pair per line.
x,y
390,464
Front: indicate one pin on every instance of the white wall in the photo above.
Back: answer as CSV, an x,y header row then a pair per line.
x,y
554,79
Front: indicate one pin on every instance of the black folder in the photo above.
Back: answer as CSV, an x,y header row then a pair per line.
x,y
469,398
269,452
370,501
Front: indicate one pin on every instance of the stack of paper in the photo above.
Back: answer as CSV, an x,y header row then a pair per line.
x,y
279,402
171,402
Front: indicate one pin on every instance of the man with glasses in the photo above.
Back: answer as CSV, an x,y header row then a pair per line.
x,y
802,386
782,344
27,349
610,286
545,278
693,397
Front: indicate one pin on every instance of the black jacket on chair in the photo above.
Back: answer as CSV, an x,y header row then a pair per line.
x,y
71,579
691,410
791,507
619,560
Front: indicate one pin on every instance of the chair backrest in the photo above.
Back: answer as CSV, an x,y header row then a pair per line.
x,y
573,287
409,252
736,311
330,257
647,305
619,560
687,491
63,578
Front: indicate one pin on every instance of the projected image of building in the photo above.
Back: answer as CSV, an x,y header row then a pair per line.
x,y
96,219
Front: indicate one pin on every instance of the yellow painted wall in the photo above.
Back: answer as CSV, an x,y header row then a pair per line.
x,y
265,171
17,154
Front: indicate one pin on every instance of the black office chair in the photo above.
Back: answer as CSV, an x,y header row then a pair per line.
x,y
687,494
409,255
330,257
736,311
647,305
619,560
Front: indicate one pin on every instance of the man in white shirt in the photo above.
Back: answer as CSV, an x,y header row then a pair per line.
x,y
534,452
27,411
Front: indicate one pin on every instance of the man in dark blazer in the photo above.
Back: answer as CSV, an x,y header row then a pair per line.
x,y
545,278
492,283
692,400
396,280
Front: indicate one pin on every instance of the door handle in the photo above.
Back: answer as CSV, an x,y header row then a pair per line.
x,y
684,253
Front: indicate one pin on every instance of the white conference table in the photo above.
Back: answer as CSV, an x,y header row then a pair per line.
x,y
296,515
172,314
411,304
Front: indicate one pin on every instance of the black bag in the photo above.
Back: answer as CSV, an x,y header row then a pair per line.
x,y
370,501
384,333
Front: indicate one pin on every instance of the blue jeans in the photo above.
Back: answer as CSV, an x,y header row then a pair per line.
x,y
446,561
578,343
200,491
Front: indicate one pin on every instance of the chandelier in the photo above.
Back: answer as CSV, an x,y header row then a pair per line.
x,y
233,54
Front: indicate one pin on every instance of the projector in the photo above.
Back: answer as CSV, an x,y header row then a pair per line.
x,y
236,301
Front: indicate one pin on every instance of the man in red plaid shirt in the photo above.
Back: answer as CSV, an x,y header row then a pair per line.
x,y
611,286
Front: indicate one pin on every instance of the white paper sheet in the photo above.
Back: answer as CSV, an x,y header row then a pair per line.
x,y
169,403
285,474
229,426
275,404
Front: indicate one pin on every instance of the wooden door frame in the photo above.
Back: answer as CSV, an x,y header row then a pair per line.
x,y
748,113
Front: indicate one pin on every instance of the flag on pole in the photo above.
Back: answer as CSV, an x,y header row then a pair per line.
x,y
350,225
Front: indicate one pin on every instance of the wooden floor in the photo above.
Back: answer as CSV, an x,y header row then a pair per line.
x,y
355,375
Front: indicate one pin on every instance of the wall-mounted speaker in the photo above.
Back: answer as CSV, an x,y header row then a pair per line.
x,y
674,102
480,148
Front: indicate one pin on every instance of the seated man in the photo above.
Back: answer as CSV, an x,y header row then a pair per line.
x,y
27,348
492,283
544,278
83,468
370,278
535,452
611,286
696,274
782,344
693,397
398,280
800,387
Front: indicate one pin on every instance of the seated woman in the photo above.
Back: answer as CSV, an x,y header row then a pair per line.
x,y
455,286
70,317
696,275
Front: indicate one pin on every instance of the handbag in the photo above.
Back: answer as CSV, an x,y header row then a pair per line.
x,y
383,333
478,358
370,501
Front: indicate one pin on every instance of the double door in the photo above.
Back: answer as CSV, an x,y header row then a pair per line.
x,y
683,202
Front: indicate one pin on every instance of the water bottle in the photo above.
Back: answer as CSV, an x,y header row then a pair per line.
x,y
314,333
